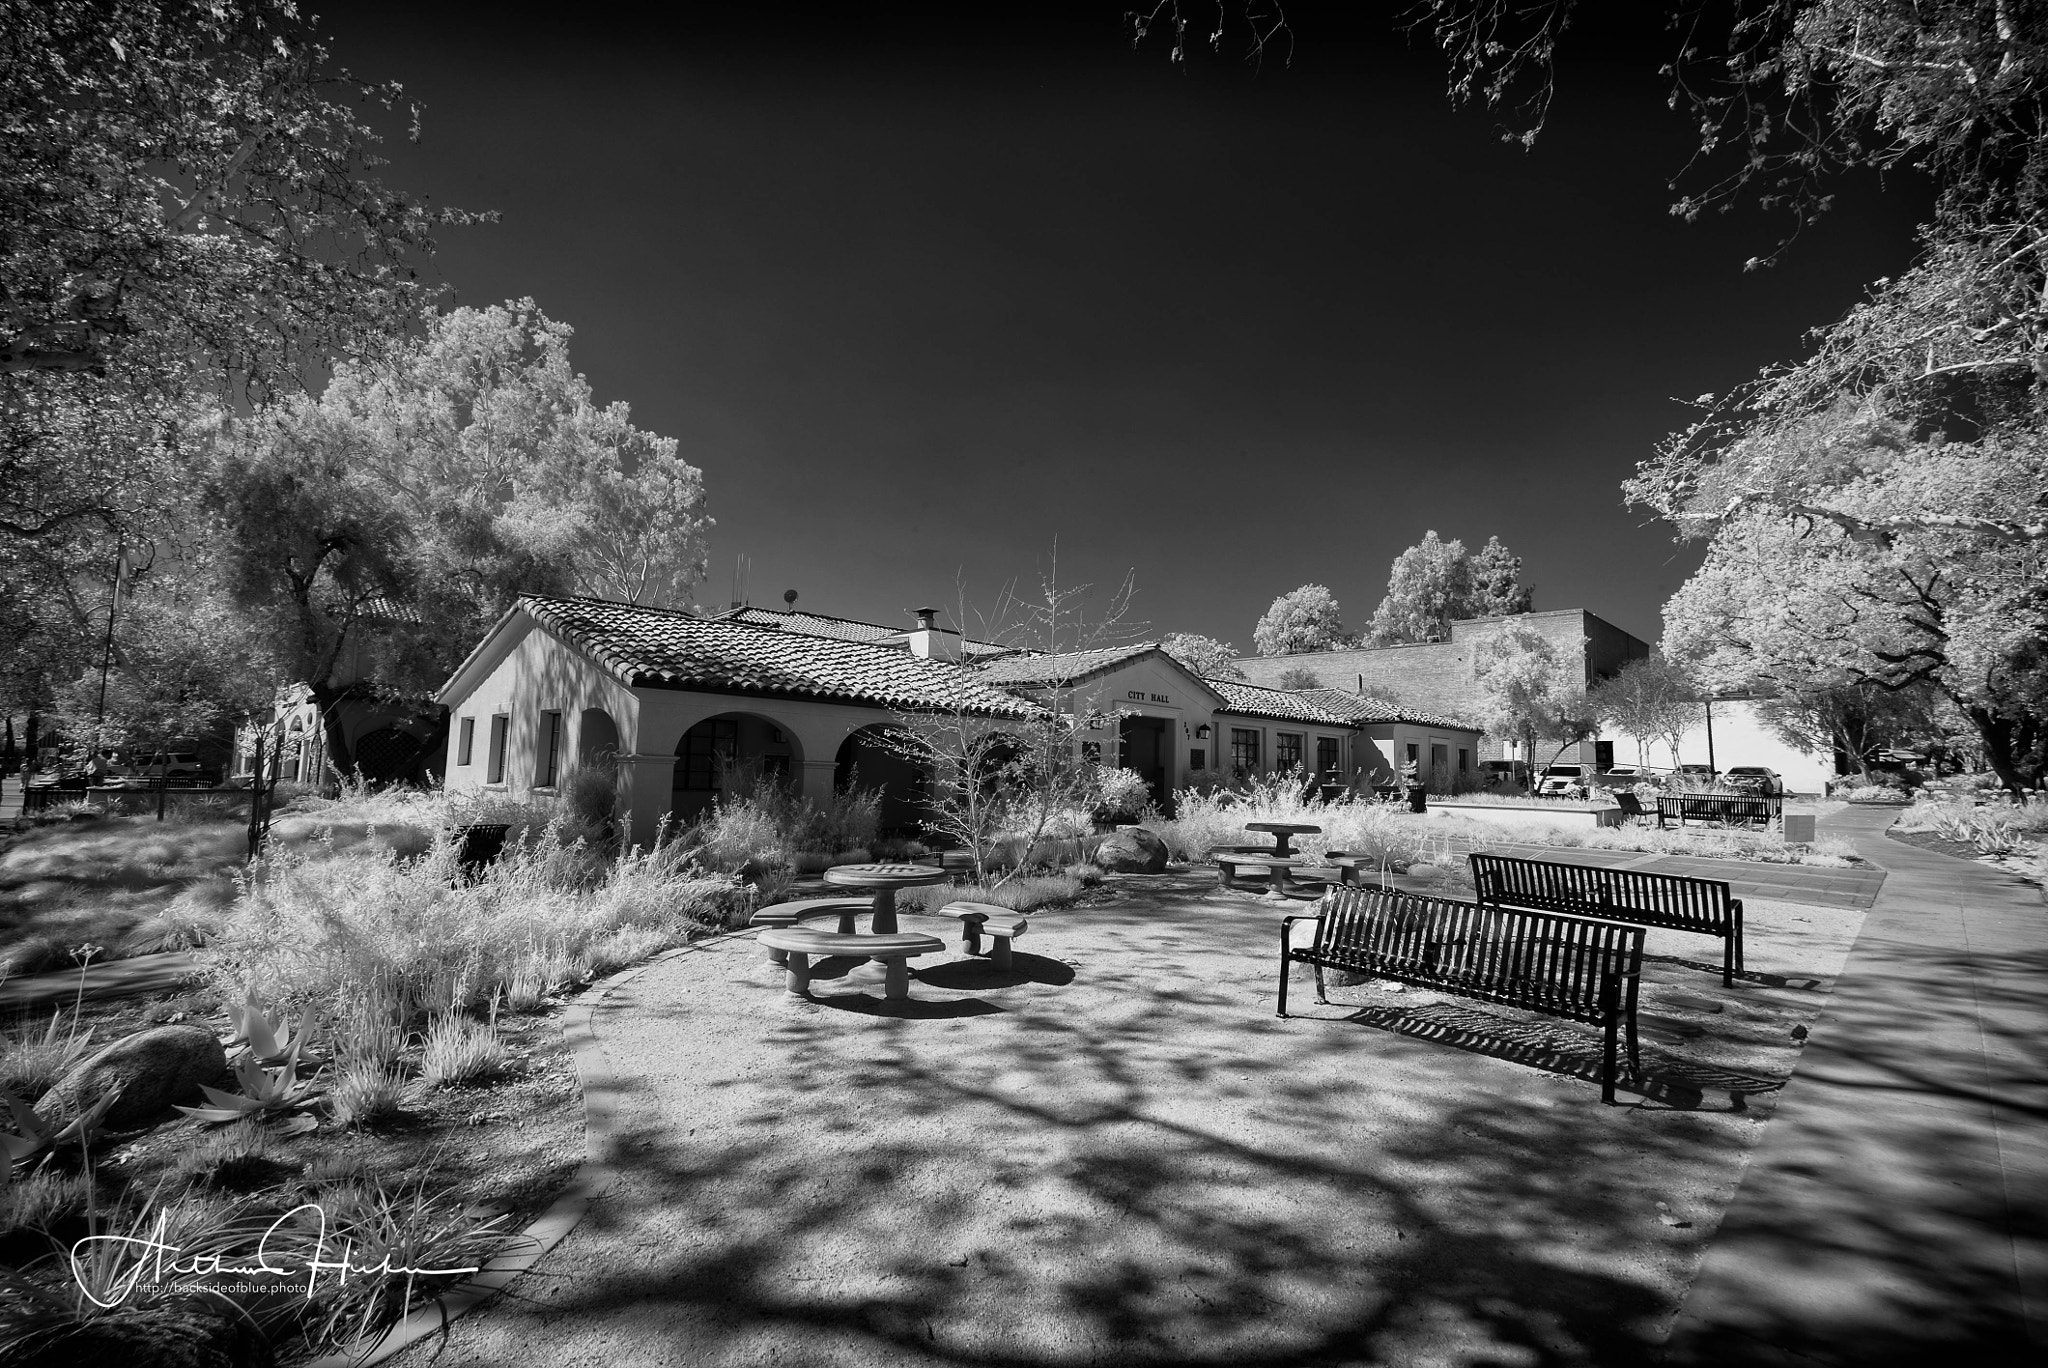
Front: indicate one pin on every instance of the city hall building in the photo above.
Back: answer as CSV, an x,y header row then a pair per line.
x,y
693,708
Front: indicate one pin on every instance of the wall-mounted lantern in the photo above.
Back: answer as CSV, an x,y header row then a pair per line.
x,y
1202,732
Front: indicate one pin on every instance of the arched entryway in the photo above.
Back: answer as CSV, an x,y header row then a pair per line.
x,y
725,756
866,758
597,738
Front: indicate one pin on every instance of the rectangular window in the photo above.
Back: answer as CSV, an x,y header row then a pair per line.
x,y
548,752
1244,750
1414,751
1286,750
1327,763
1091,751
709,749
494,772
1198,758
1464,760
465,741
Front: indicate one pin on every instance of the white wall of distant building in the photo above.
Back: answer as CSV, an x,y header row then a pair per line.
x,y
1739,739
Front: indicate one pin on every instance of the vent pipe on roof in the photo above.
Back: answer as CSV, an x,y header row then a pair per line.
x,y
925,618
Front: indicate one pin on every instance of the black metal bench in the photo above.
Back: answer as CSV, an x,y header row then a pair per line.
x,y
1577,968
1672,902
1728,809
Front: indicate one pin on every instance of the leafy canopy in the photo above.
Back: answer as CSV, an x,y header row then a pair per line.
x,y
1307,619
1205,656
424,491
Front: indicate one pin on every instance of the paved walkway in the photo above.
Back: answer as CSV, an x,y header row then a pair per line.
x,y
1896,1211
103,979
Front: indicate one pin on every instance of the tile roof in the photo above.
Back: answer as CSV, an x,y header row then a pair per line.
x,y
1032,667
842,629
658,648
1359,708
1254,700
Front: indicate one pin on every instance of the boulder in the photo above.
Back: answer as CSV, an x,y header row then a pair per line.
x,y
1132,850
153,1069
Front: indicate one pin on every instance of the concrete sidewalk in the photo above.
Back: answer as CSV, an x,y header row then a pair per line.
x,y
1896,1211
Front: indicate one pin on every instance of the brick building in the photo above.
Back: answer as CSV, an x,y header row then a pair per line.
x,y
1439,675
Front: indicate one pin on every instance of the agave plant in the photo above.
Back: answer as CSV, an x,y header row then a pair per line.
x,y
35,1136
266,1035
265,1092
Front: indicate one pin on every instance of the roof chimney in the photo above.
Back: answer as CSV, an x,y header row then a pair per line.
x,y
931,641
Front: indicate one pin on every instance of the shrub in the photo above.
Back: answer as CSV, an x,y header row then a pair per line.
x,y
365,1092
459,1049
318,931
1026,893
30,1061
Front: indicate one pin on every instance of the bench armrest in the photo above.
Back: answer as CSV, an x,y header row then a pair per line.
x,y
1287,928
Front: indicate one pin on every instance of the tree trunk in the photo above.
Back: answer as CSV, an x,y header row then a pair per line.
x,y
1997,732
341,760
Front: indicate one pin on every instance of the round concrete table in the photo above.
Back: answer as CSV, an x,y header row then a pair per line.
x,y
882,880
1283,834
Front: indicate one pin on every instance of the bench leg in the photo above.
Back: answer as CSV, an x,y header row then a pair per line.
x,y
896,978
970,937
846,927
799,980
1285,965
1321,995
1226,876
999,951
1608,1065
1728,962
778,956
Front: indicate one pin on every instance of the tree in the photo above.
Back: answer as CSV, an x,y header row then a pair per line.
x,y
1205,656
188,185
1497,589
1853,721
1307,619
184,662
1793,91
1430,584
1016,774
1649,699
1527,690
1900,466
1298,678
405,509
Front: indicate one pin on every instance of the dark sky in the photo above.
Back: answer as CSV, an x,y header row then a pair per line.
x,y
921,294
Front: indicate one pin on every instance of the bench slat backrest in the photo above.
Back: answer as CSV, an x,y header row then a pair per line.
x,y
1720,807
1668,900
1555,961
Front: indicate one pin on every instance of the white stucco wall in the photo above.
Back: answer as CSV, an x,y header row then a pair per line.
x,y
1739,739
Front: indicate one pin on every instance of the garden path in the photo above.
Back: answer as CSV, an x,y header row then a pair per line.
x,y
1897,1209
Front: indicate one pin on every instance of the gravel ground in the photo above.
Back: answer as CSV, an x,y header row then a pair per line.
x,y
1115,1153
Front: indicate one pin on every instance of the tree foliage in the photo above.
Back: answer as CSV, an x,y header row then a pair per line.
x,y
1853,720
1431,583
1298,678
1528,690
190,184
1784,93
419,494
1306,619
1650,699
1205,656
1435,583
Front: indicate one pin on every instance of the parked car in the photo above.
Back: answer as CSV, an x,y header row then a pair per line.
x,y
1760,779
177,769
1696,773
1563,781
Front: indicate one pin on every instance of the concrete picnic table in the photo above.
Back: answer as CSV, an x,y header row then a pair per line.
x,y
882,880
1283,834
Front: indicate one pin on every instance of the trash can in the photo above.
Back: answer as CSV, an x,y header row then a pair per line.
x,y
479,845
